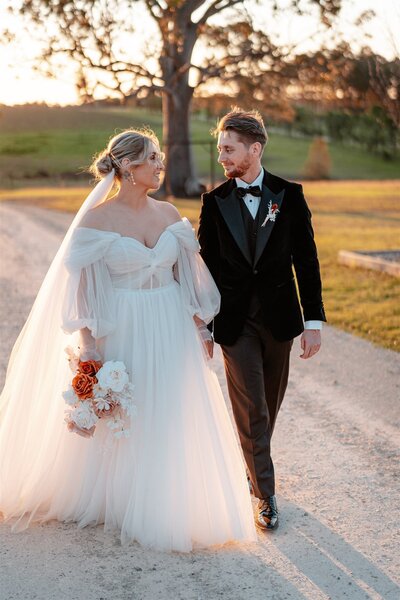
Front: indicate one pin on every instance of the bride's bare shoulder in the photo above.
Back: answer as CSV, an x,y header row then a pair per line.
x,y
169,210
98,217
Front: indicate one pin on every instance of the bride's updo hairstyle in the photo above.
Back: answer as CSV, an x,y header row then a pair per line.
x,y
134,144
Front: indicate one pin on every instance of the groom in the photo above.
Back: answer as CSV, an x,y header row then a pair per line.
x,y
253,229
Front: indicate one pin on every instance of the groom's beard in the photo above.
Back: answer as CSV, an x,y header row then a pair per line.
x,y
239,170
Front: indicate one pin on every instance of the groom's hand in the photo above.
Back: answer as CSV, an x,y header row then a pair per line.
x,y
310,342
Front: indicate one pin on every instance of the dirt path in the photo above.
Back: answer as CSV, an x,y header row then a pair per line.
x,y
336,451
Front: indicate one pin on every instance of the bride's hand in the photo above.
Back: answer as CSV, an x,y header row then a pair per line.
x,y
209,346
86,433
206,336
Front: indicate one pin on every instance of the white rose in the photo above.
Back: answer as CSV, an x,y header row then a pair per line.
x,y
98,391
69,396
83,415
112,375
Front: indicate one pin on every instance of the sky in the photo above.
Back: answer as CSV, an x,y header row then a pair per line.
x,y
20,84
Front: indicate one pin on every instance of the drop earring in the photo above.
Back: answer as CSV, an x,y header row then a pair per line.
x,y
128,176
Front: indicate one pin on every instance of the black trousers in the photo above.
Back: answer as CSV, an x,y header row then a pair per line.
x,y
257,370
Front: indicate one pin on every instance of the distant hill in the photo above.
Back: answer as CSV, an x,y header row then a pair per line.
x,y
40,143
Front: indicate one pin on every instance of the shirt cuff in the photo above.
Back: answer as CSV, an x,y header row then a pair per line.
x,y
313,325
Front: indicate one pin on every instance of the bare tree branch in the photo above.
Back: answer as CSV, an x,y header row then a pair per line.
x,y
155,8
217,7
90,33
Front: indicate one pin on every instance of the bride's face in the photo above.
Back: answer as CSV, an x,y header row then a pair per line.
x,y
148,174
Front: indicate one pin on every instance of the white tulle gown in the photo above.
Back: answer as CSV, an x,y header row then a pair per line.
x,y
178,481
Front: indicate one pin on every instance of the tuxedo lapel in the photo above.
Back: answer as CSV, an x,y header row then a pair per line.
x,y
230,210
264,232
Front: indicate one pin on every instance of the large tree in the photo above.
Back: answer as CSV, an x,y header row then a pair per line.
x,y
95,34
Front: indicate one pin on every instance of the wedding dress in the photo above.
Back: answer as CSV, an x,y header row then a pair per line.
x,y
178,481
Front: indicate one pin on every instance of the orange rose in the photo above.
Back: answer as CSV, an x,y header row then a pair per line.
x,y
83,385
89,367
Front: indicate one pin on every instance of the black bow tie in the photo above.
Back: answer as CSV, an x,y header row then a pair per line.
x,y
254,190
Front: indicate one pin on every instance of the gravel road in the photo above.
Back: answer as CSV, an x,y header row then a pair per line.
x,y
336,451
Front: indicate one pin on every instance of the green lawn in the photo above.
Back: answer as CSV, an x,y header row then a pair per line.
x,y
348,215
358,216
286,157
40,143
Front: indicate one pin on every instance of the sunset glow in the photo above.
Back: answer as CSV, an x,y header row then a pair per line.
x,y
21,84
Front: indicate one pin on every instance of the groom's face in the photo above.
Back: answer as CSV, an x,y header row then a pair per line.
x,y
234,155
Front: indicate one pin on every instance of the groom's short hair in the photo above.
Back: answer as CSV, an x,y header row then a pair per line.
x,y
249,126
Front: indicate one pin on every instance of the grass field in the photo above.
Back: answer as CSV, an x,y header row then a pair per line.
x,y
47,144
347,215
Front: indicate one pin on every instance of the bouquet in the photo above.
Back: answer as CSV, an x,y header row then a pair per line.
x,y
98,392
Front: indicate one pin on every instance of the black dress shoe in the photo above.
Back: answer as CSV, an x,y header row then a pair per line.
x,y
267,514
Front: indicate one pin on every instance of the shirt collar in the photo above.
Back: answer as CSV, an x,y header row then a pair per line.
x,y
258,180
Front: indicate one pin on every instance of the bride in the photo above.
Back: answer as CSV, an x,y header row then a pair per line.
x,y
127,284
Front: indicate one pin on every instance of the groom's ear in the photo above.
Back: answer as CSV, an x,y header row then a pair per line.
x,y
256,149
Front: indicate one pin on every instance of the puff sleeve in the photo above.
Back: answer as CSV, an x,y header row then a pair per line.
x,y
89,299
199,292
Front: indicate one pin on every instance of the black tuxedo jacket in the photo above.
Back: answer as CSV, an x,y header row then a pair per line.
x,y
281,245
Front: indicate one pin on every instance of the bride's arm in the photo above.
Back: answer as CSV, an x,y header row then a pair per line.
x,y
205,335
204,332
87,346
89,303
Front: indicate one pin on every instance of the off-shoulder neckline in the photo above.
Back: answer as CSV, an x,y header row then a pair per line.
x,y
183,221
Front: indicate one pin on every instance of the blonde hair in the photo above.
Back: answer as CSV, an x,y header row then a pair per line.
x,y
134,144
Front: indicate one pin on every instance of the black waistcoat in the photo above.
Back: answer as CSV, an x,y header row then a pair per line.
x,y
251,226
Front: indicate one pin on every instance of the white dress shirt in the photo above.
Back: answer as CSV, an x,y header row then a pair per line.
x,y
253,204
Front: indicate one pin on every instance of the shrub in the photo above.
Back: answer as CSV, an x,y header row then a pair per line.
x,y
318,164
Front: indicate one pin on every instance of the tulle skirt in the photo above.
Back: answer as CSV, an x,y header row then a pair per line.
x,y
178,481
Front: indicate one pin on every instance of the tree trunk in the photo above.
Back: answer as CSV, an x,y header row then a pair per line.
x,y
180,175
179,36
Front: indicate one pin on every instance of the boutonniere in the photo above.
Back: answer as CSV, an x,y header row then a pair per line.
x,y
272,212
